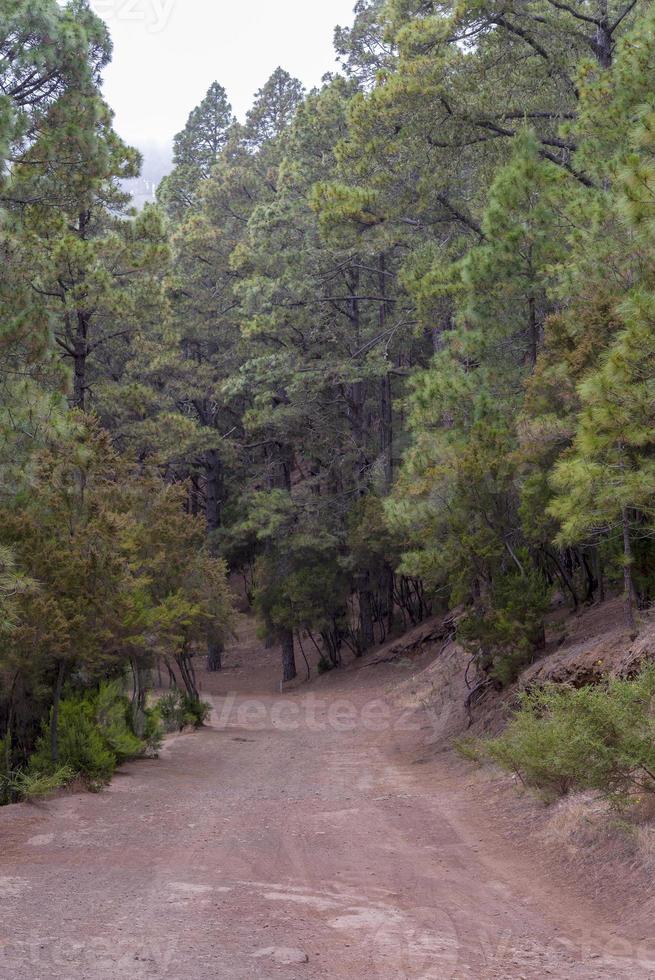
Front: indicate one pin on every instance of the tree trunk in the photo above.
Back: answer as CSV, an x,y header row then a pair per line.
x,y
366,628
54,721
79,363
214,515
281,466
386,430
565,577
194,497
138,697
214,490
627,573
592,584
81,340
386,395
289,671
601,575
534,331
604,42
391,600
188,674
214,656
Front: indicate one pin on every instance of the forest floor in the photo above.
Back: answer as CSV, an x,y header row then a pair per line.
x,y
318,833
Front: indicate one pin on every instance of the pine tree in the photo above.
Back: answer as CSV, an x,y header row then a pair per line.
x,y
196,150
606,482
274,107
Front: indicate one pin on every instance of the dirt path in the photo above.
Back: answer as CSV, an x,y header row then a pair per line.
x,y
295,838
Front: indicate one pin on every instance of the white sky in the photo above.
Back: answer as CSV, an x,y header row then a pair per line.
x,y
168,52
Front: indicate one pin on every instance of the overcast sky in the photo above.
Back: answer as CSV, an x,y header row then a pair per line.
x,y
168,52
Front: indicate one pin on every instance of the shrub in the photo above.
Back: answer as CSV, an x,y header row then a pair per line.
x,y
177,710
600,738
196,712
153,730
31,785
5,771
505,636
94,736
469,748
170,711
82,746
112,713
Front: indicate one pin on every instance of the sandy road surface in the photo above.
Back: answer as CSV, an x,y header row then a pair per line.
x,y
293,839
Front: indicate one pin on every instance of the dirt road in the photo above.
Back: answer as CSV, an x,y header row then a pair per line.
x,y
295,838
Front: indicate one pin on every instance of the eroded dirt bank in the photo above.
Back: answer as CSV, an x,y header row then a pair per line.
x,y
302,835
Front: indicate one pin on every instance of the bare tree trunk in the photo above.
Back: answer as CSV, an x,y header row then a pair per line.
x,y
366,628
391,600
214,491
138,696
194,497
628,560
534,331
280,479
81,340
601,576
565,577
54,721
604,42
214,655
386,394
289,671
386,430
187,673
79,362
214,515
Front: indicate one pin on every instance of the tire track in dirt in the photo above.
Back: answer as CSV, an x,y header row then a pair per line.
x,y
284,845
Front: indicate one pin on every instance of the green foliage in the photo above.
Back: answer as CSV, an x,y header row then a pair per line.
x,y
469,748
112,715
94,735
506,633
611,465
152,730
196,150
30,785
324,666
83,747
389,345
177,710
600,738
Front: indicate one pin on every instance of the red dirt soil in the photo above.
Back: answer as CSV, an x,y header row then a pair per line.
x,y
315,833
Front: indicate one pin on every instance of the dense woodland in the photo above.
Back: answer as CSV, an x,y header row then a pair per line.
x,y
382,349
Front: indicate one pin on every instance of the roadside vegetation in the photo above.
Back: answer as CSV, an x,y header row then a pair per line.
x,y
381,350
601,738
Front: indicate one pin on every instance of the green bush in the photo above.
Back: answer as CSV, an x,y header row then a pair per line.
x,y
112,713
94,736
82,746
177,710
6,774
196,712
170,711
505,636
469,748
153,730
31,785
600,738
